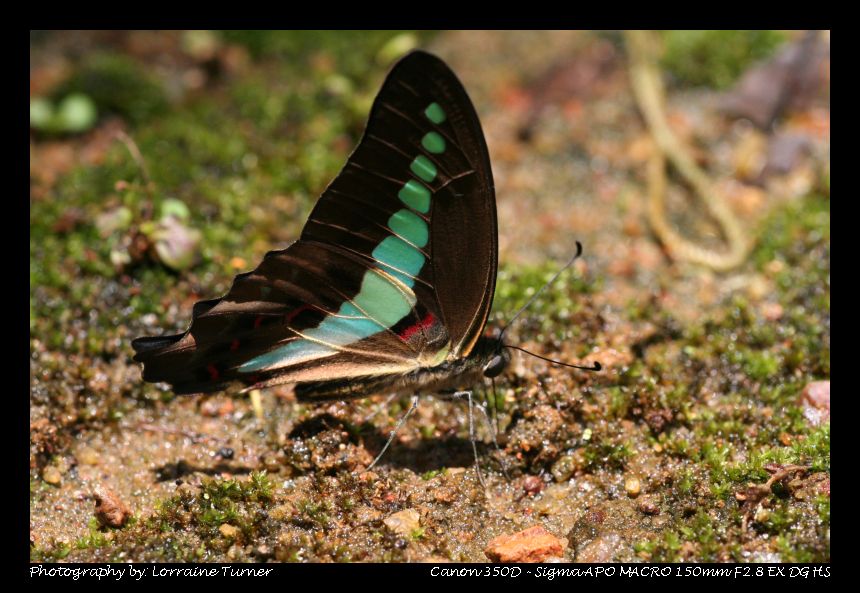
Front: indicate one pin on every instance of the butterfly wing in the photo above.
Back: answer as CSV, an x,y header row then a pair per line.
x,y
395,269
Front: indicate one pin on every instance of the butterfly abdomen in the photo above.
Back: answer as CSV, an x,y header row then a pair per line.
x,y
448,376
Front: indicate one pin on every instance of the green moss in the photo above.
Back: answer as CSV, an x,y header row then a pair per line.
x,y
59,551
803,553
779,518
359,47
257,488
664,548
762,365
429,475
96,538
607,454
759,365
313,513
822,504
705,531
814,450
715,458
260,487
117,84
633,375
716,58
554,310
788,232
235,502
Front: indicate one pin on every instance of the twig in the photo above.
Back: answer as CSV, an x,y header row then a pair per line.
x,y
642,51
135,154
753,495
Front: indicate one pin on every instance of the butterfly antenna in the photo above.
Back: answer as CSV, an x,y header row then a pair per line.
x,y
595,367
542,288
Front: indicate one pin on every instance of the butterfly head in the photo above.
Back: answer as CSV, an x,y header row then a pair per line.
x,y
493,354
497,364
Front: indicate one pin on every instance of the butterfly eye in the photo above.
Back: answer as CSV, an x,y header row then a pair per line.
x,y
495,367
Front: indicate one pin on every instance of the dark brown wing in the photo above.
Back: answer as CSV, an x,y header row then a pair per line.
x,y
395,268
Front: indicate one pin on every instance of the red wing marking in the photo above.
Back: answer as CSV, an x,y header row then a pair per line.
x,y
213,372
425,323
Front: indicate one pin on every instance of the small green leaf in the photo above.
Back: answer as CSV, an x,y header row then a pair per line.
x,y
174,207
76,113
41,113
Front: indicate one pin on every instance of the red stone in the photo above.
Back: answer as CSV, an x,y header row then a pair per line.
x,y
815,399
535,544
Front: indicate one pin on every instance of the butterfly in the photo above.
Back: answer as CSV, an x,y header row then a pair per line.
x,y
390,285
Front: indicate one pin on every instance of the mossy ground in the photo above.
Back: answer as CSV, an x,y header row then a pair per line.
x,y
698,402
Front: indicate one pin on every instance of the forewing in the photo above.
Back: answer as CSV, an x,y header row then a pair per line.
x,y
394,270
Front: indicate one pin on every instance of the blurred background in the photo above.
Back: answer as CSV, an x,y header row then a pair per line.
x,y
694,166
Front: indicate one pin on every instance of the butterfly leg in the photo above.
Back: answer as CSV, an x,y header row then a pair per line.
x,y
380,407
468,396
394,432
493,425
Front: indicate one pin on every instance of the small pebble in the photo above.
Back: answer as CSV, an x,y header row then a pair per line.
x,y
602,549
815,399
445,494
271,463
229,531
772,311
633,486
110,510
87,456
647,506
535,544
52,475
404,522
532,485
566,466
217,407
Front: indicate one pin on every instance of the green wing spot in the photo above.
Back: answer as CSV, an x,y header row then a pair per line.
x,y
433,142
402,259
435,113
423,168
298,350
416,196
382,300
410,226
379,303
